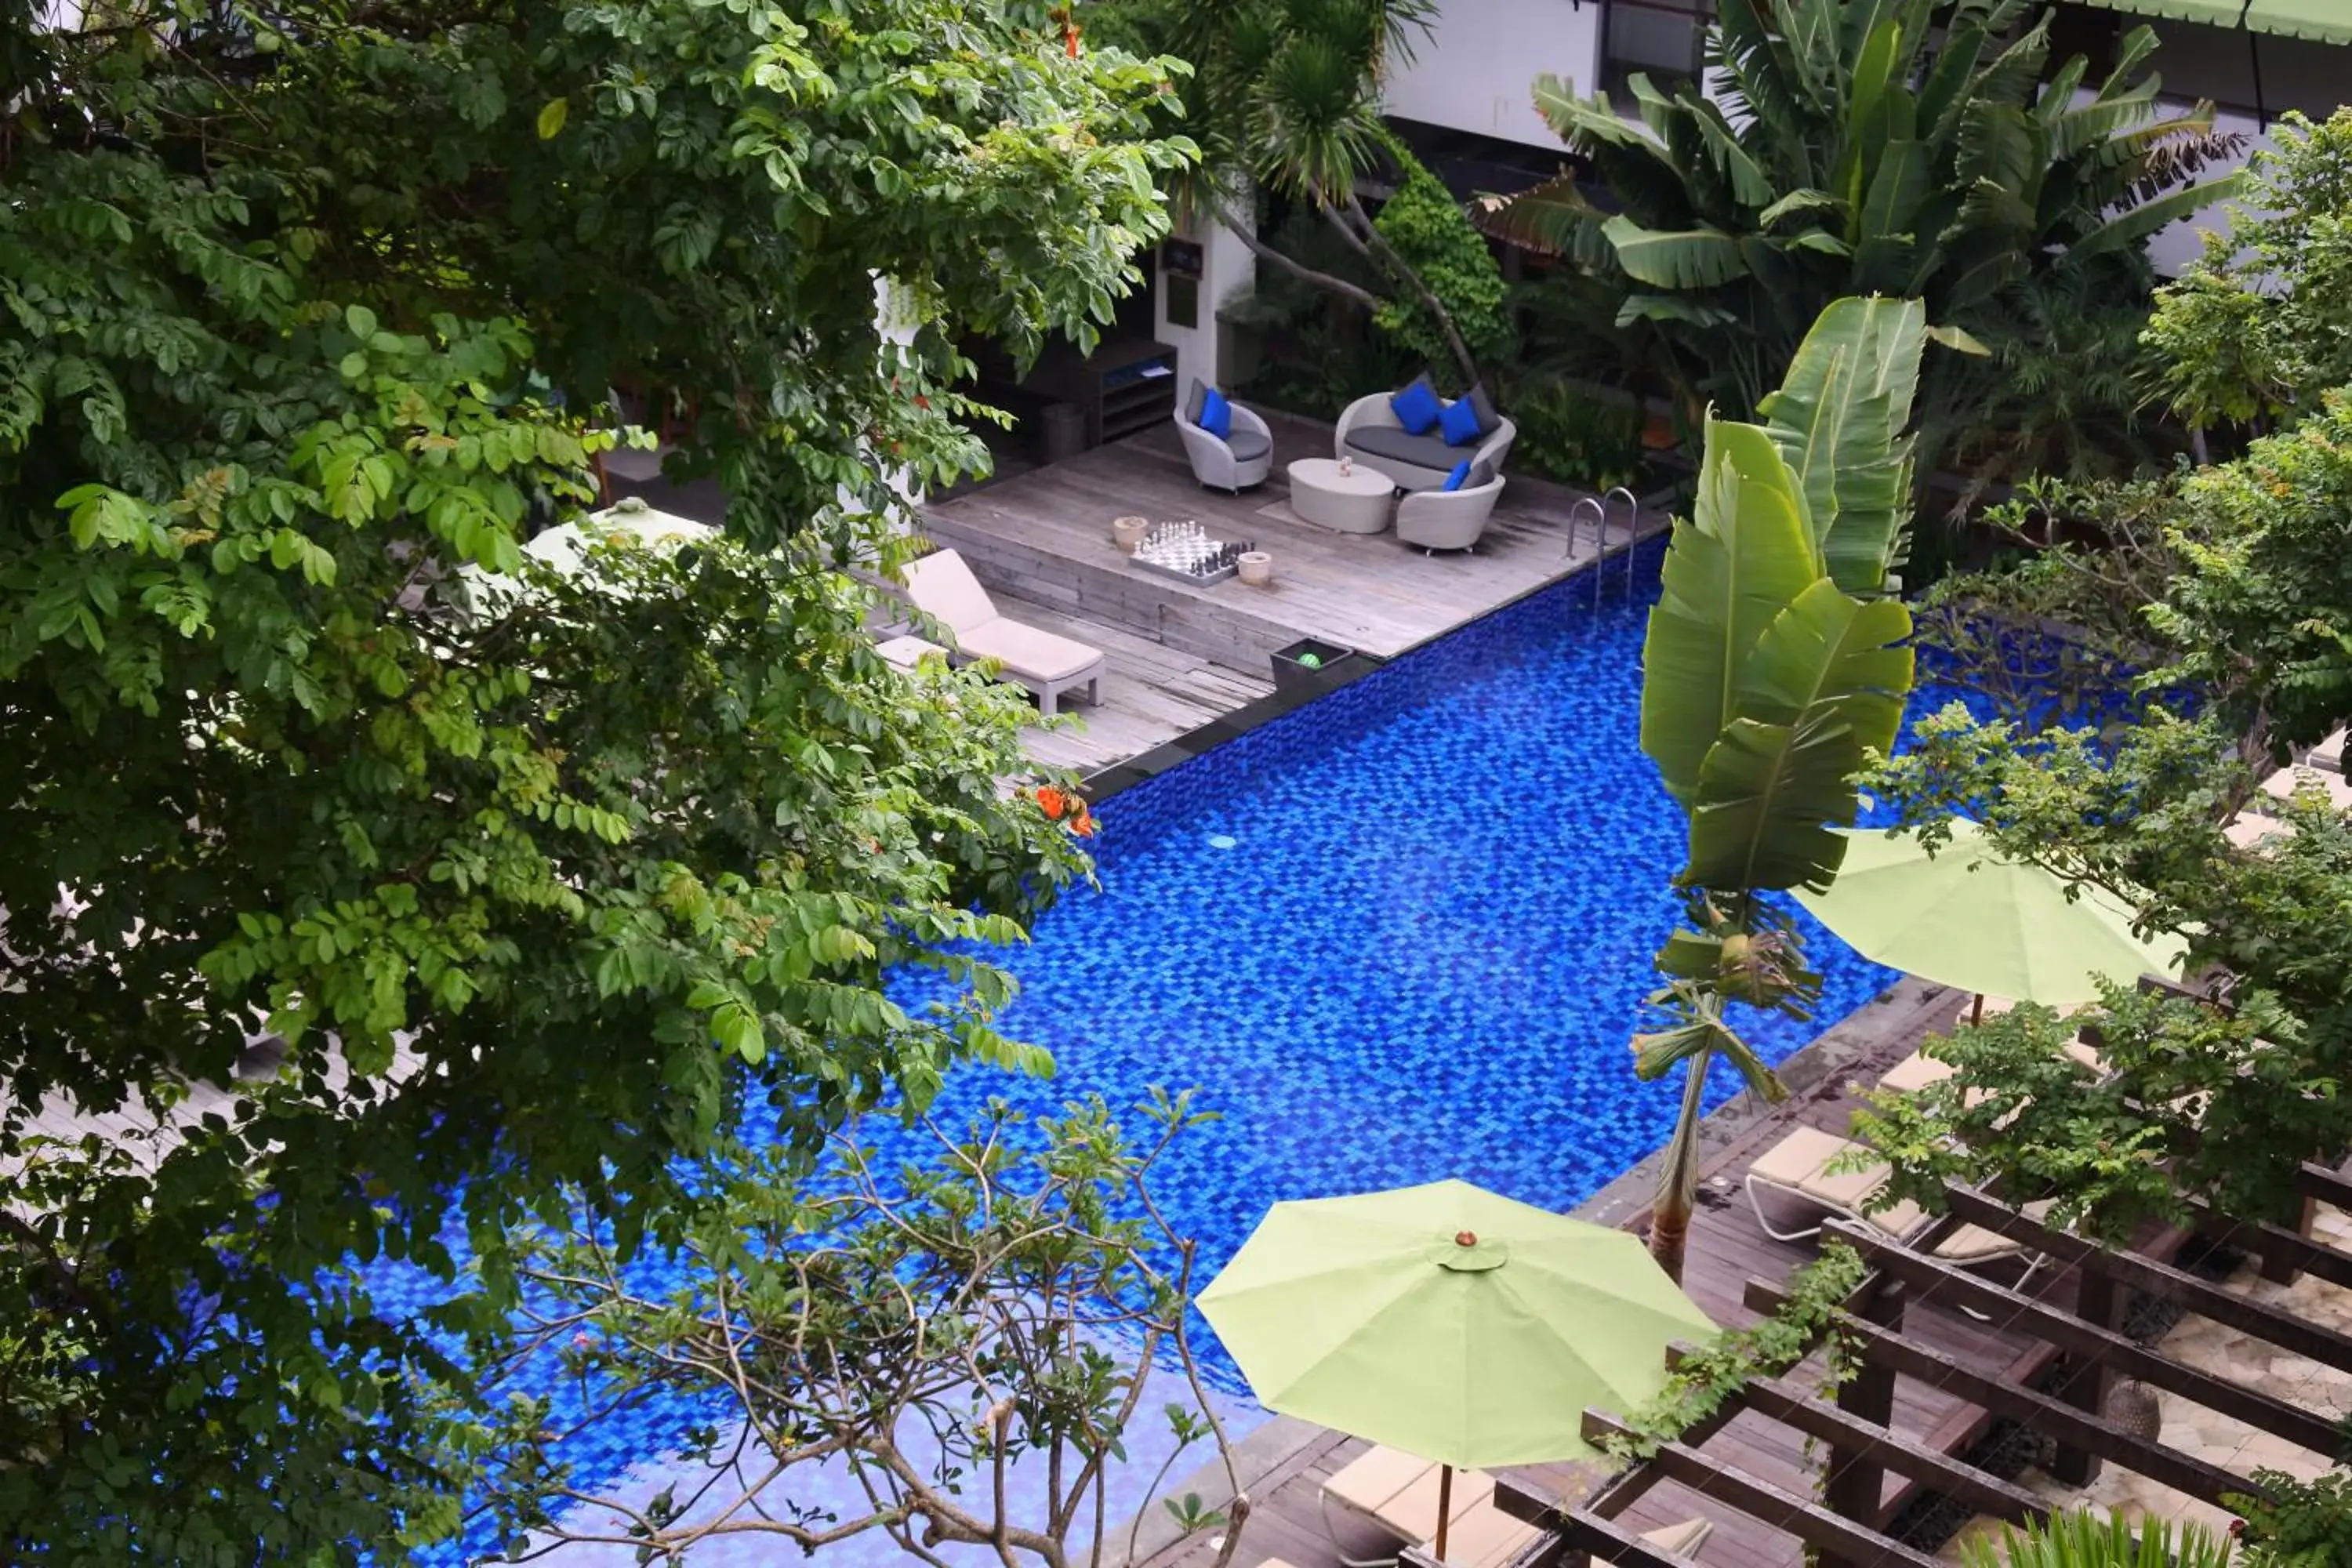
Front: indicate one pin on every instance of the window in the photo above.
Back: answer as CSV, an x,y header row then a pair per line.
x,y
1664,39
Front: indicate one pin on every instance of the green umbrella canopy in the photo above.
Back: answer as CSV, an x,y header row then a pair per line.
x,y
1372,1315
1966,917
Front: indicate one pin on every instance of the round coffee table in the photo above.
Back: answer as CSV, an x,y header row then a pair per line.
x,y
1356,502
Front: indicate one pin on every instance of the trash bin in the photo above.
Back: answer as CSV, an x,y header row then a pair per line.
x,y
1061,432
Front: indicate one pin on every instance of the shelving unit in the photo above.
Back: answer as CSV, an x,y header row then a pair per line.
x,y
1122,388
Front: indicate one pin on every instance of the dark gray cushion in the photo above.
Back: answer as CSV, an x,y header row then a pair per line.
x,y
1247,446
1484,407
1392,441
1194,403
1481,472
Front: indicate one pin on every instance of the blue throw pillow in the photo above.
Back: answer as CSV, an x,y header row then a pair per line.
x,y
1460,423
1217,415
1453,480
1416,408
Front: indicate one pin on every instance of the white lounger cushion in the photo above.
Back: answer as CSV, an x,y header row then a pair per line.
x,y
2287,780
943,588
1027,651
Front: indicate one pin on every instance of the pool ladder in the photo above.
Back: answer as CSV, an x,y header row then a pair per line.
x,y
1600,511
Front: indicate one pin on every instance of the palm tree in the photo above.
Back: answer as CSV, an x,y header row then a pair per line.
x,y
1916,147
1284,97
1774,667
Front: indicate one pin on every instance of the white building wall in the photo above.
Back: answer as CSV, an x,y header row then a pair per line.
x,y
1476,71
1227,269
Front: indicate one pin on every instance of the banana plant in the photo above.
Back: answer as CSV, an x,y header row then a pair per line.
x,y
1775,665
1931,149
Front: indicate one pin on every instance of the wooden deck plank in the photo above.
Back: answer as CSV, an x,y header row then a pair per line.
x,y
1180,654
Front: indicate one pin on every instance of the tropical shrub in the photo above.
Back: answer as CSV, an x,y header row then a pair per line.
x,y
1773,671
1924,151
1429,229
2080,1539
1572,436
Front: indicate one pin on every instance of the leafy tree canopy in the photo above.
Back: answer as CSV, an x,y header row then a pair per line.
x,y
2260,323
2250,619
535,894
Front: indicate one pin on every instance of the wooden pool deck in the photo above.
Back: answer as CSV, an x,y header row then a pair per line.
x,y
1182,654
1727,1249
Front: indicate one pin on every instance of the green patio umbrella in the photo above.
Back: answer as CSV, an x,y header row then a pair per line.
x,y
1969,918
1442,1320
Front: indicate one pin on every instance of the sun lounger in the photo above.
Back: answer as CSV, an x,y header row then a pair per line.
x,y
2329,753
2253,831
1398,1492
1917,1070
942,587
1798,1168
2334,785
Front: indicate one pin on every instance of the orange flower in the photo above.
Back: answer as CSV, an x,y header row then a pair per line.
x,y
1083,825
1052,802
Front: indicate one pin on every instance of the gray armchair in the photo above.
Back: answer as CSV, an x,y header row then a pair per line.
x,y
1235,461
1448,520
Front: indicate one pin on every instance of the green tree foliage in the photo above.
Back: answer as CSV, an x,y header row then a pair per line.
x,y
997,1297
2257,328
2261,613
535,897
1900,147
1772,671
2227,584
2223,1106
1426,227
1284,97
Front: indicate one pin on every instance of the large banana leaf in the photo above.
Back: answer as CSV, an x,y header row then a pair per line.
x,y
1744,556
1821,690
1838,422
1691,258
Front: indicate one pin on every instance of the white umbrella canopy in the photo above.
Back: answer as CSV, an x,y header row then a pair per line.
x,y
627,522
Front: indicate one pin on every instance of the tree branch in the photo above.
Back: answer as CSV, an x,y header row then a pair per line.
x,y
1247,235
1376,246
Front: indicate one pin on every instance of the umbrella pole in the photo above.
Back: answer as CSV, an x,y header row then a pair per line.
x,y
1976,1012
1445,1510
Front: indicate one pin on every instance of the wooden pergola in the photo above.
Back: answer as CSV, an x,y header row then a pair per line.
x,y
1846,1524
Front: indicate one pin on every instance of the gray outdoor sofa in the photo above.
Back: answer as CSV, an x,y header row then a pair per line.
x,y
1369,432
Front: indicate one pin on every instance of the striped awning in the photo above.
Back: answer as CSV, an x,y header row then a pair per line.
x,y
2323,21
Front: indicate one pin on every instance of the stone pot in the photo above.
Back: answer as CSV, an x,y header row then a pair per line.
x,y
1129,532
1256,567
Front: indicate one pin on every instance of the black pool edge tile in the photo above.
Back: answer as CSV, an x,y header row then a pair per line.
x,y
1105,783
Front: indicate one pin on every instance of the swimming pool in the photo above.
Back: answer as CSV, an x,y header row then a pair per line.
x,y
1398,934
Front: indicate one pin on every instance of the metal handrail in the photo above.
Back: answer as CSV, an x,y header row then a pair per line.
x,y
1600,537
1632,527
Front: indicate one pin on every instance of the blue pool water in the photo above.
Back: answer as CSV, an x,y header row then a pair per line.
x,y
1401,934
